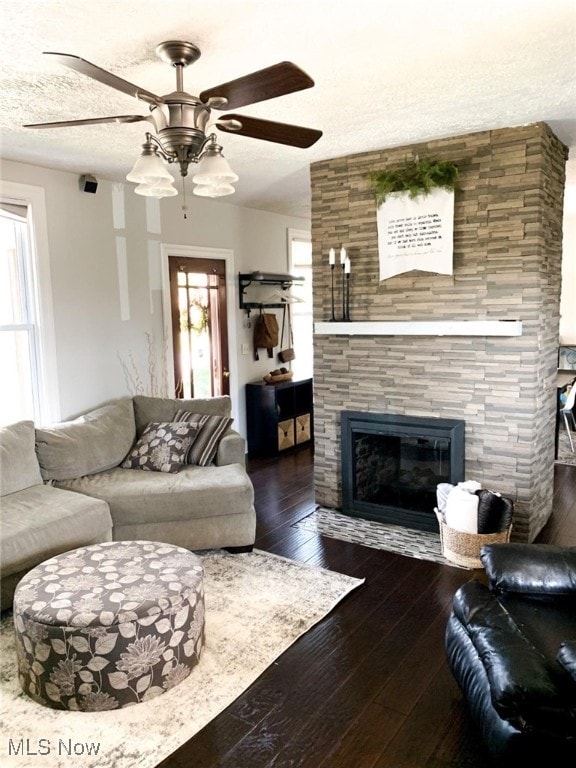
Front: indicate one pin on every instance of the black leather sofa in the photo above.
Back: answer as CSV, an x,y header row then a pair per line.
x,y
511,646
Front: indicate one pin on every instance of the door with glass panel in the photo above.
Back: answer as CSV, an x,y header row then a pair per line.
x,y
199,330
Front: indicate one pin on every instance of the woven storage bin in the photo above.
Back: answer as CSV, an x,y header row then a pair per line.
x,y
286,438
303,431
464,548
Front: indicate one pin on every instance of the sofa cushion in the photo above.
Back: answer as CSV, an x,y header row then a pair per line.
x,y
147,409
154,497
94,442
42,521
162,447
211,431
18,460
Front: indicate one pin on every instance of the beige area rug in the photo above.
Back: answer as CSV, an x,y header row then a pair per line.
x,y
257,605
565,453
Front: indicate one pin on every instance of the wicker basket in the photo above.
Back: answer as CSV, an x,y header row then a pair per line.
x,y
464,548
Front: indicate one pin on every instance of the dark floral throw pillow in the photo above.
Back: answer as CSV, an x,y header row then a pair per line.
x,y
162,447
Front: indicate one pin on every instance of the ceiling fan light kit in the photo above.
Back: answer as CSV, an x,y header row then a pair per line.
x,y
182,121
158,192
207,190
149,167
213,168
159,188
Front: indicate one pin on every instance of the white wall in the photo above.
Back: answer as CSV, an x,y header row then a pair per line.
x,y
259,242
96,322
568,296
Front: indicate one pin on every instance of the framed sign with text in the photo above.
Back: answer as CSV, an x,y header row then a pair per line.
x,y
416,233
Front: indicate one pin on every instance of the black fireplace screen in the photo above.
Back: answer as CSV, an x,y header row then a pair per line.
x,y
391,465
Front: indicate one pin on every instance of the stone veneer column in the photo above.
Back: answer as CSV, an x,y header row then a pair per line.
x,y
507,256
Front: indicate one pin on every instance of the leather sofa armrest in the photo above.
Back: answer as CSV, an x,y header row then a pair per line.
x,y
531,569
522,688
567,657
231,449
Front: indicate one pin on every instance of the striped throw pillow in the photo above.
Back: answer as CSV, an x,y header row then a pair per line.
x,y
211,431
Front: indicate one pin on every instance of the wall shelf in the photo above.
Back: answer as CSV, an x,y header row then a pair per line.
x,y
422,328
246,279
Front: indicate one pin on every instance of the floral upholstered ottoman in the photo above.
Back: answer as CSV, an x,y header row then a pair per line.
x,y
109,625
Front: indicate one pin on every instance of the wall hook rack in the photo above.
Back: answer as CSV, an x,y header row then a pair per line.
x,y
246,279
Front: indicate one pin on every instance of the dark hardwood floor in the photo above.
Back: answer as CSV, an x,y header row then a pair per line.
x,y
368,686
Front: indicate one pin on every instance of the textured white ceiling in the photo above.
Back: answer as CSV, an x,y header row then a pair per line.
x,y
386,74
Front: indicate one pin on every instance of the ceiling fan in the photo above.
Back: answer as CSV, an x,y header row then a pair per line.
x,y
182,121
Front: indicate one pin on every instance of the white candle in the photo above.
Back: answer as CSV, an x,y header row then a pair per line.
x,y
347,266
342,255
331,257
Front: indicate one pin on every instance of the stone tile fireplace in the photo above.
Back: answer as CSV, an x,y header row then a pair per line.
x,y
507,264
391,466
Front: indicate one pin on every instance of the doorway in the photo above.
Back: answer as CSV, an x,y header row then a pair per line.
x,y
198,311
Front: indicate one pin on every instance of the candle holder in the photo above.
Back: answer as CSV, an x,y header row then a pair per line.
x,y
345,264
343,291
333,318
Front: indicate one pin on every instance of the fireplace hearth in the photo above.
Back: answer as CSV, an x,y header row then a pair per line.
x,y
391,465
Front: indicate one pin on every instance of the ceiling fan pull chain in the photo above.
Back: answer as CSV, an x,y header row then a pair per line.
x,y
184,205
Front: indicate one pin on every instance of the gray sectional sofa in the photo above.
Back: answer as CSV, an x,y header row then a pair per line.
x,y
65,486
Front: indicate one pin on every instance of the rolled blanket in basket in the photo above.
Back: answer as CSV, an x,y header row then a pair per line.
x,y
470,485
494,512
442,492
462,511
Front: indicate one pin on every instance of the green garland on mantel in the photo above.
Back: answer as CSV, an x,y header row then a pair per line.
x,y
415,178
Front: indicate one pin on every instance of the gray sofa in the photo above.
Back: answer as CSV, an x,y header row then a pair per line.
x,y
64,487
38,521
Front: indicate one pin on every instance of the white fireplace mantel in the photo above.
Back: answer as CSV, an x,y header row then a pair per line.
x,y
422,328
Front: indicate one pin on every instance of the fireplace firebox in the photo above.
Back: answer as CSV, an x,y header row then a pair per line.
x,y
392,464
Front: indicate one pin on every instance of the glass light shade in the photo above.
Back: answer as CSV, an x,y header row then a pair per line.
x,y
214,170
149,169
156,190
213,190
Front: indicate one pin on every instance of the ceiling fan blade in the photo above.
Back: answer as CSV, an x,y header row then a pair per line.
x,y
91,121
103,76
277,80
268,130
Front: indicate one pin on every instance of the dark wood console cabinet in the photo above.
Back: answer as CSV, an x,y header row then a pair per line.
x,y
279,417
